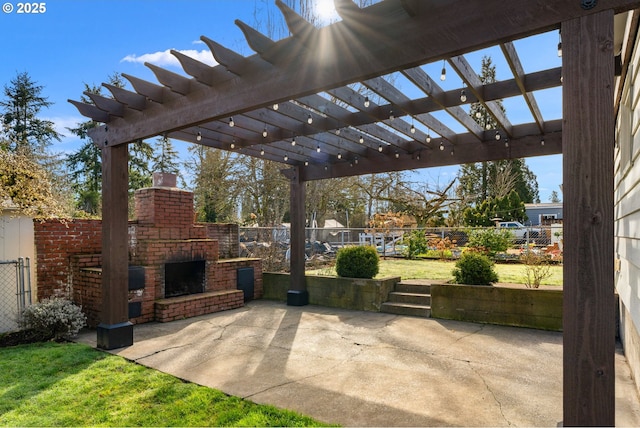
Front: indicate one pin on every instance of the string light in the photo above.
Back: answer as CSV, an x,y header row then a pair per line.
x,y
231,122
276,106
463,96
318,149
339,155
199,136
478,114
441,146
361,139
309,120
428,139
366,102
413,129
306,163
232,145
506,143
338,131
286,157
451,152
542,142
380,148
293,141
559,44
265,132
261,151
397,155
498,136
443,74
355,160
391,115
418,156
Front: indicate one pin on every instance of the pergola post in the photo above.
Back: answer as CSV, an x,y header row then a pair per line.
x,y
297,294
115,330
588,142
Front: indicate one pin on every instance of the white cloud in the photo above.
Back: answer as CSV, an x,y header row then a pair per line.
x,y
164,58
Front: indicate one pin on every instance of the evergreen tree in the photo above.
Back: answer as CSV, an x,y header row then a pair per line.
x,y
166,159
507,208
25,133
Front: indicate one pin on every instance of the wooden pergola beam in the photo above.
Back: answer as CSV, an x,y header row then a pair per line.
x,y
437,30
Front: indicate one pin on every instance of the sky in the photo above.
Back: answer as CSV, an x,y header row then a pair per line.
x,y
73,42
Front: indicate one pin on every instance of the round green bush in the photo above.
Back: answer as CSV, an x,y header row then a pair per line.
x,y
474,269
357,262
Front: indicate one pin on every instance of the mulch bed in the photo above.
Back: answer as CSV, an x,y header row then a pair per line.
x,y
22,337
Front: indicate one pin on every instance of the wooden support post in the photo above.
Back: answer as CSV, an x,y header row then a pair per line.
x,y
297,294
588,142
115,330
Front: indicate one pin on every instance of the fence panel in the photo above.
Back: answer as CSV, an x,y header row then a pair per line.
x,y
15,291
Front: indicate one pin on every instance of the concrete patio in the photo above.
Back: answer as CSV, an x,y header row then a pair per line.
x,y
371,369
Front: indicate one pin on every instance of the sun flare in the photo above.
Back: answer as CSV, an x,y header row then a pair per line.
x,y
325,11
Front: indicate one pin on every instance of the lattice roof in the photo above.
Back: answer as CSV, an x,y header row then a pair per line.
x,y
294,101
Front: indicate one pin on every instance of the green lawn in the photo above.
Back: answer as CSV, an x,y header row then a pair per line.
x,y
68,384
436,269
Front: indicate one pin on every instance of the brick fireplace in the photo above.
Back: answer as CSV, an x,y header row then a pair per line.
x,y
178,268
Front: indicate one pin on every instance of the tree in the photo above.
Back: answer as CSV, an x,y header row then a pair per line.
x,y
554,198
166,159
215,183
508,208
486,180
25,185
25,133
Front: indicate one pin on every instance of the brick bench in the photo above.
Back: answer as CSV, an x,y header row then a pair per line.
x,y
176,308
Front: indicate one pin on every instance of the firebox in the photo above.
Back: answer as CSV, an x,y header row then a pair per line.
x,y
183,278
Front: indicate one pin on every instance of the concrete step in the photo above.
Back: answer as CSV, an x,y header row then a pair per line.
x,y
413,288
412,298
406,309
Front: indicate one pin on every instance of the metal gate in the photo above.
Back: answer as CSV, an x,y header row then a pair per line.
x,y
15,291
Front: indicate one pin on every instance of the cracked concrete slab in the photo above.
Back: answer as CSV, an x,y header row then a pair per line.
x,y
371,369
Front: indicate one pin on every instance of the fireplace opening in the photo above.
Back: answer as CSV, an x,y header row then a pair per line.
x,y
183,278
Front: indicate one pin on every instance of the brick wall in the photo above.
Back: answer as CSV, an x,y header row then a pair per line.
x,y
227,236
56,242
164,206
226,274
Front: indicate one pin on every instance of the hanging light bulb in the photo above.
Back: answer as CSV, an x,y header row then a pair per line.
x,y
443,74
286,157
413,129
487,126
261,151
463,96
355,160
391,115
265,132
478,114
559,44
293,141
318,149
306,163
366,102
339,155
309,120
397,155
452,152
380,148
498,136
542,142
276,106
418,156
231,122
199,136
428,139
338,131
361,139
232,145
441,146
506,143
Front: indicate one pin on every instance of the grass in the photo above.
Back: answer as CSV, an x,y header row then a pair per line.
x,y
441,270
68,384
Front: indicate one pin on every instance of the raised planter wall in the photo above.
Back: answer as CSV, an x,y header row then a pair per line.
x,y
533,308
347,293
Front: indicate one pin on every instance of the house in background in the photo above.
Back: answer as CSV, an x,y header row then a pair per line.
x,y
543,214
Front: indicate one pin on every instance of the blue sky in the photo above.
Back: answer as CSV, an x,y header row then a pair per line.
x,y
75,42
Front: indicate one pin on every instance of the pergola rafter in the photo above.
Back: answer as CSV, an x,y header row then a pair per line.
x,y
309,75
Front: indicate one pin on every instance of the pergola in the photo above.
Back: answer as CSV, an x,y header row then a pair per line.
x,y
292,102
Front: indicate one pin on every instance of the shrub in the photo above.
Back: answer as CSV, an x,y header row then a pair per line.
x,y
536,268
491,240
475,269
416,243
357,262
54,319
443,246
